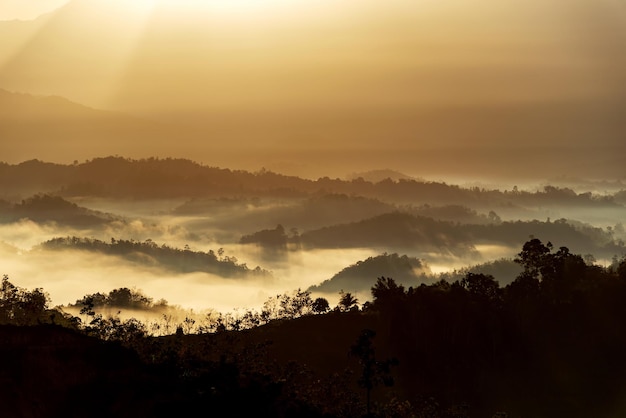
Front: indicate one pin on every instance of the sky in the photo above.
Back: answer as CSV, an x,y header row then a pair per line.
x,y
27,9
298,76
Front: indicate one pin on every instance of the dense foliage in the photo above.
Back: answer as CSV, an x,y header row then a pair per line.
x,y
149,253
548,344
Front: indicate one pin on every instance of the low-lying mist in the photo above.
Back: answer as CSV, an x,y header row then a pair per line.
x,y
233,239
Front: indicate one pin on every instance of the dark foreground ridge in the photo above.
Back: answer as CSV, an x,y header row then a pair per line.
x,y
549,344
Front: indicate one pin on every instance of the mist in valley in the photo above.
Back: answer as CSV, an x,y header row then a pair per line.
x,y
206,205
253,236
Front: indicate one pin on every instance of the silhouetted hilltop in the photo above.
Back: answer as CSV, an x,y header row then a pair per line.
x,y
165,178
33,176
550,343
150,254
393,230
309,213
217,206
582,238
454,213
47,208
122,298
406,231
30,108
506,270
375,176
361,276
271,238
41,125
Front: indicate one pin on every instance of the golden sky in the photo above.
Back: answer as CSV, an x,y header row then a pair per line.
x,y
282,73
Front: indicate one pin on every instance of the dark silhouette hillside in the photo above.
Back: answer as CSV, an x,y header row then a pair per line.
x,y
152,177
505,269
392,230
358,277
43,208
151,254
404,231
548,344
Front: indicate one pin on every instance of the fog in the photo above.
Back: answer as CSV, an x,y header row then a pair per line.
x,y
68,275
207,238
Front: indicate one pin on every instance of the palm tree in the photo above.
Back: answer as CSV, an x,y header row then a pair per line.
x,y
347,302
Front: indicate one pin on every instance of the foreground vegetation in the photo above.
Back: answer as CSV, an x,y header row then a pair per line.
x,y
548,344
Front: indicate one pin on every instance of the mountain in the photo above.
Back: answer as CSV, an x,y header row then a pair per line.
x,y
33,126
375,176
47,208
309,82
150,254
360,277
393,230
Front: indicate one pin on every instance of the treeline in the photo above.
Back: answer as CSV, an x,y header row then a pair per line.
x,y
359,276
44,208
123,298
403,230
153,177
550,343
150,253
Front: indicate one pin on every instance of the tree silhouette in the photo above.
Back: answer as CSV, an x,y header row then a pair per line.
x,y
22,307
387,292
320,305
347,302
533,257
481,286
374,372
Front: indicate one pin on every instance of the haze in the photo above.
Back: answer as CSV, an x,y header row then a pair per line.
x,y
520,106
472,89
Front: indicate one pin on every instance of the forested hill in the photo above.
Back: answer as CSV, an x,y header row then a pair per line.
x,y
405,231
44,208
360,277
549,344
152,178
150,254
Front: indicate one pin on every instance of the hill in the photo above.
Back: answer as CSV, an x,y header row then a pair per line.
x,y
47,208
150,254
361,276
405,231
39,126
358,92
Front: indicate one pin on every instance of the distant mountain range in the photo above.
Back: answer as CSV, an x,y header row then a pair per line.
x,y
34,126
222,88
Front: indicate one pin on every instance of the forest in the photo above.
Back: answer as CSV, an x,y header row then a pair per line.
x,y
160,287
312,208
548,344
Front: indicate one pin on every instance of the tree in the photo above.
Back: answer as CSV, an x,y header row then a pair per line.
x,y
320,305
374,372
533,257
22,307
387,292
347,302
482,286
559,273
287,306
525,287
621,269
